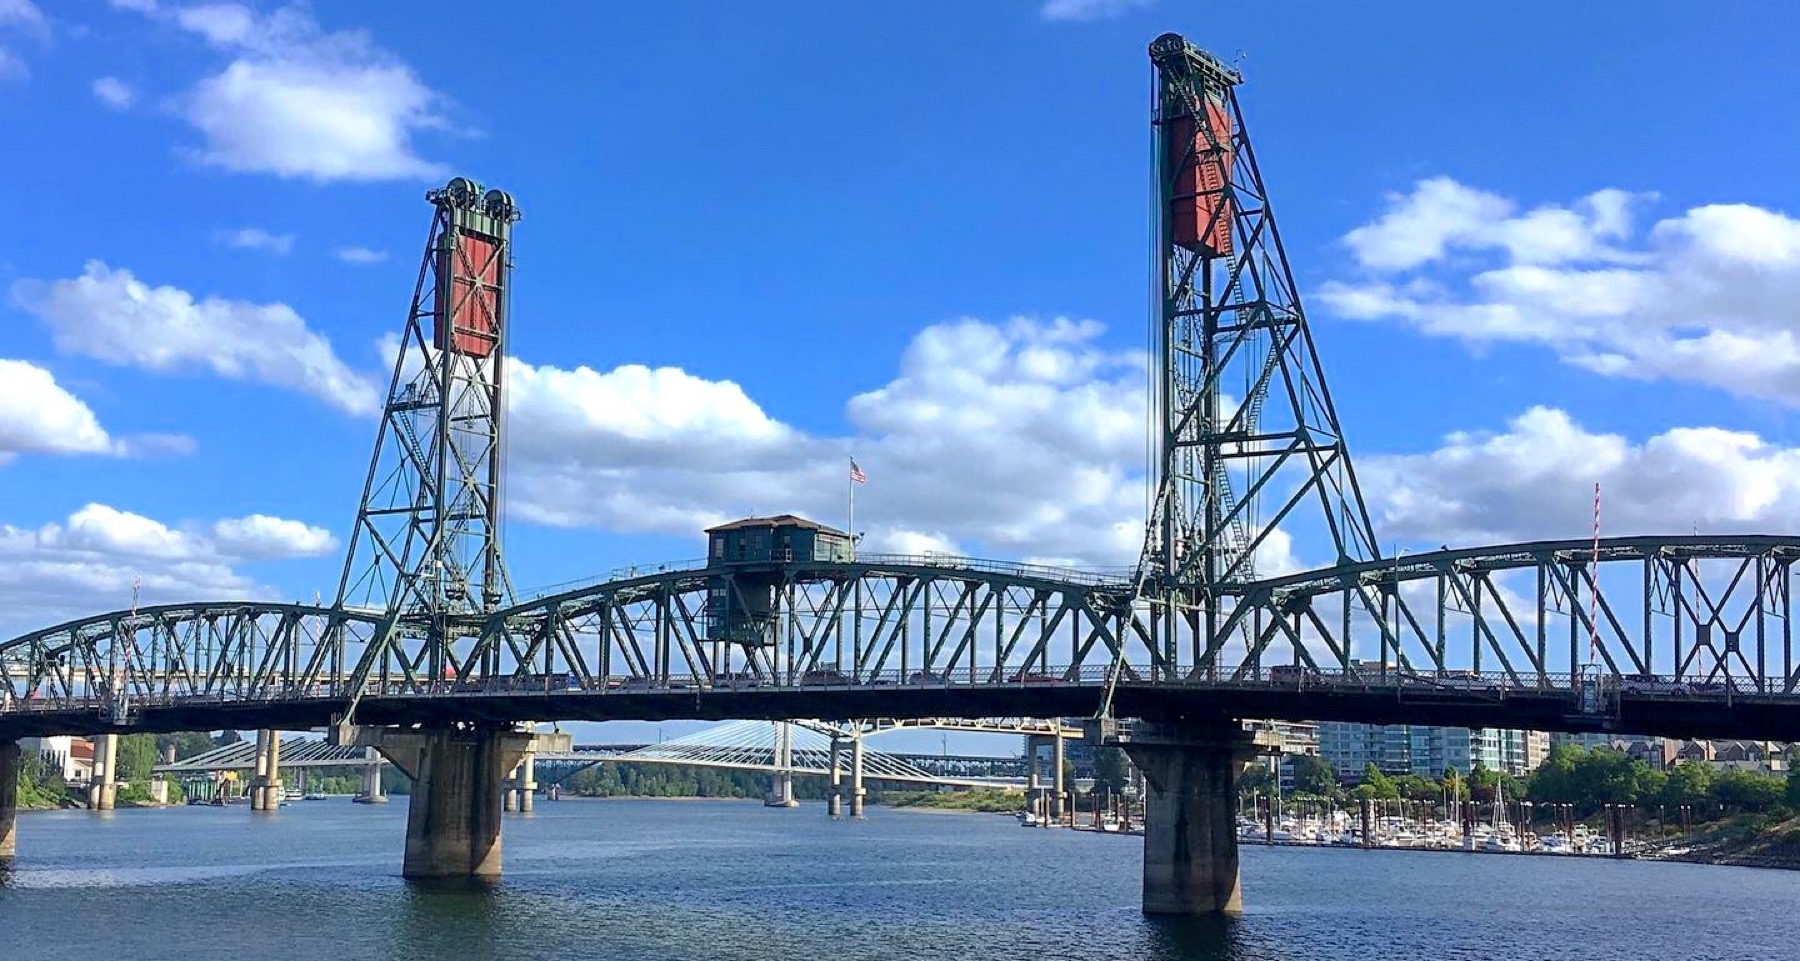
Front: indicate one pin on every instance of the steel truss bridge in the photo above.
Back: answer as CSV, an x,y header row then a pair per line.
x,y
753,746
740,746
1679,635
1690,636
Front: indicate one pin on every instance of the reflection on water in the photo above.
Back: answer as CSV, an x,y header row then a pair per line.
x,y
661,881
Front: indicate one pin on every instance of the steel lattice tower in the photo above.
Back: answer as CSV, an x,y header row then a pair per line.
x,y
1246,422
426,545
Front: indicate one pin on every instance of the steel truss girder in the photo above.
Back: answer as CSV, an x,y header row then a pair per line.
x,y
1712,616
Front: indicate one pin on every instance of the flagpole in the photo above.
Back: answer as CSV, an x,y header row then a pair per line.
x,y
850,520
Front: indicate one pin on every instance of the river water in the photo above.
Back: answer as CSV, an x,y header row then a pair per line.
x,y
641,880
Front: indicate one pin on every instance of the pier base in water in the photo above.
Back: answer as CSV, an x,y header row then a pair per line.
x,y
1190,815
453,814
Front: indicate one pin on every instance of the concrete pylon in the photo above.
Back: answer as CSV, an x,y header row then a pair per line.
x,y
372,791
265,788
527,781
159,787
103,788
1034,782
834,801
1059,791
1190,813
453,813
10,762
781,787
856,774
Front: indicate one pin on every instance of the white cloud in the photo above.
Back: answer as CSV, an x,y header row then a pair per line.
x,y
1089,9
360,255
114,93
256,238
297,101
1711,296
110,315
38,416
1535,480
1021,439
260,535
20,17
23,14
87,563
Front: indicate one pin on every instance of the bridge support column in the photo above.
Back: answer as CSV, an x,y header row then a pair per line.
x,y
1034,777
10,761
1059,796
509,792
159,786
103,788
781,785
1190,824
265,790
372,792
856,774
834,801
453,815
527,780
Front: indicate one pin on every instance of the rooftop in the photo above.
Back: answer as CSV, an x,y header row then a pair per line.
x,y
778,520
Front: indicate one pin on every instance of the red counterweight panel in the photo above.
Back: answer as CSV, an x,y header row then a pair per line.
x,y
474,296
1201,173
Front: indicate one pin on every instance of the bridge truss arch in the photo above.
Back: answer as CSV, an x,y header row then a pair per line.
x,y
1697,618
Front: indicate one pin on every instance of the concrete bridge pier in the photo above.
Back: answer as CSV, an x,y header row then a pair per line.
x,y
159,786
834,799
1059,795
372,792
856,774
10,761
1190,813
781,786
103,788
266,789
453,814
521,784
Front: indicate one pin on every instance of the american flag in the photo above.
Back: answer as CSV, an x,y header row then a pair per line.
x,y
856,473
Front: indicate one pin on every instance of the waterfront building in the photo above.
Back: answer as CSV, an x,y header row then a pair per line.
x,y
72,756
1426,750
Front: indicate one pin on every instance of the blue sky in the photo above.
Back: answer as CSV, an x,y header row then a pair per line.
x,y
1540,250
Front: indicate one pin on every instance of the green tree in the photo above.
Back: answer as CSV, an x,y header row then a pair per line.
x,y
1256,779
1413,787
137,755
1377,785
186,744
1748,792
1453,785
1793,789
1110,769
1314,775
